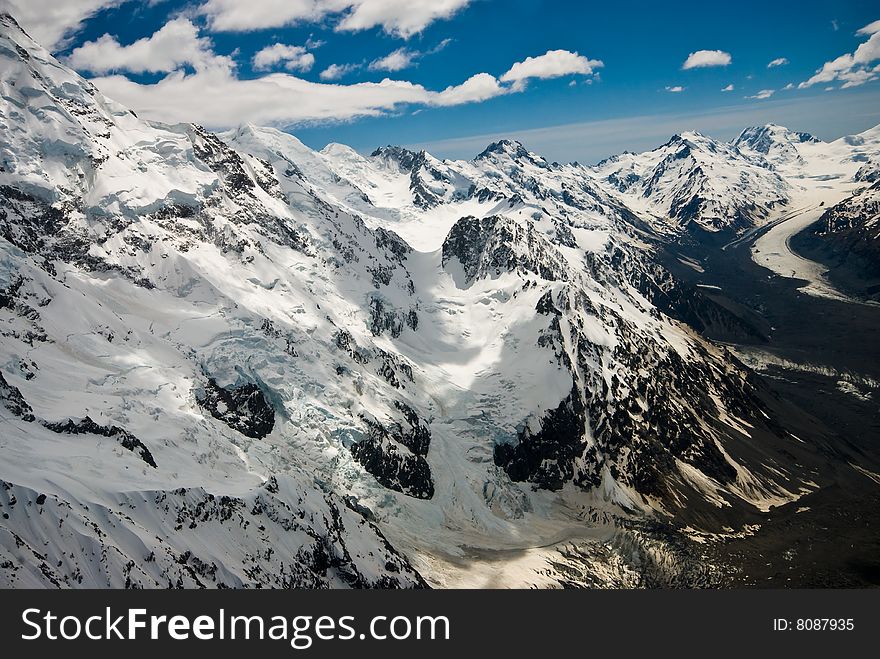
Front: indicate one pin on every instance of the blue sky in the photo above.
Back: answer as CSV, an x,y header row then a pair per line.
x,y
604,77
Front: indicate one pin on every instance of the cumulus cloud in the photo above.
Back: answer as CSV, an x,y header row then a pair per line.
x,y
677,89
395,61
852,69
475,89
202,86
764,93
295,58
210,92
403,58
552,64
403,18
218,99
729,88
176,44
704,58
869,29
337,71
779,61
52,22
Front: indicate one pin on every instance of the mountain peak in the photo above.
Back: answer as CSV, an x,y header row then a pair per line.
x,y
8,24
402,157
512,148
763,138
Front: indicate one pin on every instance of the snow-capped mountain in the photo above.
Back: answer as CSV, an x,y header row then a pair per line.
x,y
696,183
232,360
132,396
777,144
833,191
805,160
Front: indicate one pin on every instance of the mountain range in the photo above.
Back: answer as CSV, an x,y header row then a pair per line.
x,y
227,359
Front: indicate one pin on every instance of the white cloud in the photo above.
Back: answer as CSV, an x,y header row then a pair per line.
x,y
788,86
337,71
204,87
295,58
217,99
852,69
704,58
52,22
729,88
395,61
403,58
869,29
175,45
779,61
403,18
677,89
764,93
552,64
475,89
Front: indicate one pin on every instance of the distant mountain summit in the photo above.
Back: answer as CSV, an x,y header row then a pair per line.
x,y
695,182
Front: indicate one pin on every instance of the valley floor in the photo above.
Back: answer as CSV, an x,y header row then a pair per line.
x,y
822,355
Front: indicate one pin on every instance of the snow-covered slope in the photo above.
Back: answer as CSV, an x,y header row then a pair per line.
x,y
806,161
846,238
694,182
233,360
132,265
779,145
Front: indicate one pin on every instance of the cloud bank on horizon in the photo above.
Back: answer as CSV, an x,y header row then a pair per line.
x,y
182,68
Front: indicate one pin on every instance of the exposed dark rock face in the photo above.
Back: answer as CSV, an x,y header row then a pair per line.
x,y
645,407
345,342
9,294
391,242
869,172
491,245
87,426
26,221
394,454
225,162
405,159
547,457
513,150
243,408
384,318
13,400
281,535
417,165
